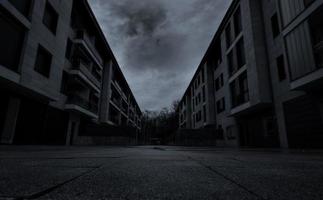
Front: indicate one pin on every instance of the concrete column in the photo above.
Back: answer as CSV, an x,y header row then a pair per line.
x,y
281,126
105,92
72,130
9,126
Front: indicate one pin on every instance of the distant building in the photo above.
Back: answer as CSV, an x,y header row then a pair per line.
x,y
58,75
264,72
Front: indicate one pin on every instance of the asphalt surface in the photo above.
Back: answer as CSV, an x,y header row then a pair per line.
x,y
160,172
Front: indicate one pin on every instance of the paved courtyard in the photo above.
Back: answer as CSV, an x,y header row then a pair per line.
x,y
160,172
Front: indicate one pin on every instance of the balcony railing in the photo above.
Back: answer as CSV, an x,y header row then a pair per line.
x,y
87,69
82,35
82,102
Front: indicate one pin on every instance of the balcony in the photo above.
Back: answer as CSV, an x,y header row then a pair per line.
x,y
119,89
84,39
83,71
82,105
313,80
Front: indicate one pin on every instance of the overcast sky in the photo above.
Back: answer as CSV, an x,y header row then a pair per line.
x,y
159,43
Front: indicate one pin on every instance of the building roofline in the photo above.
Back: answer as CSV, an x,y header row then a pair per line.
x,y
215,37
108,48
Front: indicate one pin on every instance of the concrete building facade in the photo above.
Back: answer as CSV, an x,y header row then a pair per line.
x,y
266,61
58,74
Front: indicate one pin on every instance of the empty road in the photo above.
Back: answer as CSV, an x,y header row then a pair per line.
x,y
160,172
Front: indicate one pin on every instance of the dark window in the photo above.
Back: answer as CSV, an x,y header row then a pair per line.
x,y
281,68
239,90
12,37
193,105
316,27
43,61
221,80
237,22
64,83
199,98
241,57
231,63
228,35
50,18
22,5
203,91
220,105
203,76
68,52
204,113
275,25
199,116
217,84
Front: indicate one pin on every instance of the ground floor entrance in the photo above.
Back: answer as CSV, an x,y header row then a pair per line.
x,y
39,123
258,130
304,124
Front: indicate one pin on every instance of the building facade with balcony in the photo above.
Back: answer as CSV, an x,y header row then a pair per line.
x,y
56,74
265,60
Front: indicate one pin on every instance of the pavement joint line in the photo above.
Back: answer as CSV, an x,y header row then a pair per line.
x,y
48,190
63,158
227,178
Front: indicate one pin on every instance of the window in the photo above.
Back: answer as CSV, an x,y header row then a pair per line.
x,y
228,35
239,90
316,28
281,68
275,25
199,98
219,82
241,57
50,18
64,83
203,91
22,5
204,113
68,52
237,22
43,61
193,105
199,116
231,63
220,105
203,76
12,37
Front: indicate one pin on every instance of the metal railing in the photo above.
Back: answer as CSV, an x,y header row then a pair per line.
x,y
82,102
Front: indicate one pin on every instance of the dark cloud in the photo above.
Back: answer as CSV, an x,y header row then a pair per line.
x,y
159,43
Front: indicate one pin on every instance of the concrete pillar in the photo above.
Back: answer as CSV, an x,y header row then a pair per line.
x,y
105,92
281,126
72,130
9,126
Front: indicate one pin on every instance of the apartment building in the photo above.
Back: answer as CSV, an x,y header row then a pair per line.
x,y
265,60
197,101
57,73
